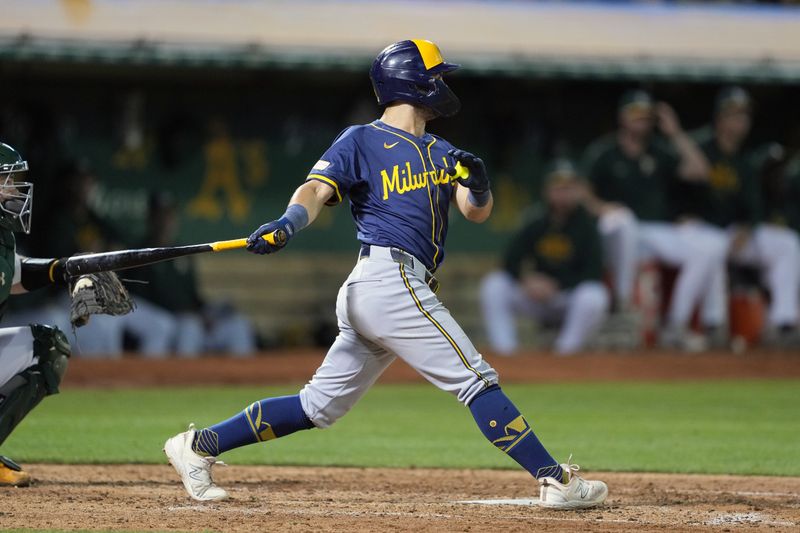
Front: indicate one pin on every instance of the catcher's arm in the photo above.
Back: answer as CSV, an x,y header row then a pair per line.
x,y
33,273
91,294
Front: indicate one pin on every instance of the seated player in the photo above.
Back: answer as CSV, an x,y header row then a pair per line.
x,y
400,183
553,271
635,175
729,204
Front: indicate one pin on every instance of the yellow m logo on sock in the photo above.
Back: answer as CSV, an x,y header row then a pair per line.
x,y
515,431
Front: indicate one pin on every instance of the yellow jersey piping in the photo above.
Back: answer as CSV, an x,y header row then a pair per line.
x,y
430,198
439,326
329,181
441,218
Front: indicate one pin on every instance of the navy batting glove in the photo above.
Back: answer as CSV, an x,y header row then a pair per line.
x,y
478,180
257,245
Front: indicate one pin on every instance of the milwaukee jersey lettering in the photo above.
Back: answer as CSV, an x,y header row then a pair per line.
x,y
398,187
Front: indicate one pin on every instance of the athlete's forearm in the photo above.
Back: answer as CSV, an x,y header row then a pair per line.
x,y
694,165
472,212
311,195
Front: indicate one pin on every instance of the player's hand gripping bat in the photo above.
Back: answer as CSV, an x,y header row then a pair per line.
x,y
122,259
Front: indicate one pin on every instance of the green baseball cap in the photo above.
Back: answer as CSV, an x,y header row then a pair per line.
x,y
561,170
732,98
636,100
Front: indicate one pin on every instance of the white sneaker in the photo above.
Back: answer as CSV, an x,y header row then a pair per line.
x,y
578,493
194,469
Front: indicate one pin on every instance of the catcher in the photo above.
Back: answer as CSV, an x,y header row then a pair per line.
x,y
33,359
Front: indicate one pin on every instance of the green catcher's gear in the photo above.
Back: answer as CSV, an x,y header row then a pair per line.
x,y
24,391
16,197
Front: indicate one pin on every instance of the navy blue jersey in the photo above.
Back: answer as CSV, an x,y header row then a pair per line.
x,y
397,184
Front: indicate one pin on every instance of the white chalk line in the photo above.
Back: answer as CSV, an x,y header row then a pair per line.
x,y
727,519
721,519
396,514
766,494
501,502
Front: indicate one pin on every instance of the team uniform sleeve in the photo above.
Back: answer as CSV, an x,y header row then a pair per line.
x,y
6,278
338,166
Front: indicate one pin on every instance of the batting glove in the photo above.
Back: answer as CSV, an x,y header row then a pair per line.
x,y
256,243
477,181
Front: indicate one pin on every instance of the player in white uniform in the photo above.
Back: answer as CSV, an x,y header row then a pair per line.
x,y
728,201
635,177
552,271
398,180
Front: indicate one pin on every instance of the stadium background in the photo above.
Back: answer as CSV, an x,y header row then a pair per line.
x,y
176,94
229,112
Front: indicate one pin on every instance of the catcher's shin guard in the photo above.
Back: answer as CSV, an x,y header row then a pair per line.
x,y
23,392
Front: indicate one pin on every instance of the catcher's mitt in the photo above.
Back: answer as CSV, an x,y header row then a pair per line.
x,y
101,293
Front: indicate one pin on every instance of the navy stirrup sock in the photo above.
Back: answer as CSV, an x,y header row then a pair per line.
x,y
263,420
504,426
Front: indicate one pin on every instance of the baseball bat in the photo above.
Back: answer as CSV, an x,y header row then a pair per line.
x,y
458,172
123,259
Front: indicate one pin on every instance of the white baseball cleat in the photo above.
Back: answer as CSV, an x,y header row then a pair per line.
x,y
194,469
577,493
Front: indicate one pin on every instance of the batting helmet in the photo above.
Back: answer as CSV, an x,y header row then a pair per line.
x,y
410,71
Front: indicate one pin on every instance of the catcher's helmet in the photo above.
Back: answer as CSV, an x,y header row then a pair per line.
x,y
410,71
16,197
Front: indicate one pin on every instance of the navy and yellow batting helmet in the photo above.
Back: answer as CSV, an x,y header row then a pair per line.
x,y
410,71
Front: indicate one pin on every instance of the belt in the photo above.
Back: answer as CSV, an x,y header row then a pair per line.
x,y
404,258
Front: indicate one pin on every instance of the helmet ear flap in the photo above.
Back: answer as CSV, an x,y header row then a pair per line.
x,y
424,90
408,71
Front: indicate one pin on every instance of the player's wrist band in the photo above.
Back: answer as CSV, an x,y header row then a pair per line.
x,y
297,216
479,199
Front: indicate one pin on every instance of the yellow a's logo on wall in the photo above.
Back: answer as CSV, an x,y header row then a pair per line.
x,y
230,165
555,247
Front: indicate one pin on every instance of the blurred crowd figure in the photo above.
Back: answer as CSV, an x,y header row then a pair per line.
x,y
553,270
170,316
699,203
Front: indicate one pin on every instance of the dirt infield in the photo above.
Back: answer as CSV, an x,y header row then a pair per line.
x,y
147,497
135,497
298,366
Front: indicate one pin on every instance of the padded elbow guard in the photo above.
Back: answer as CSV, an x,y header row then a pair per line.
x,y
24,391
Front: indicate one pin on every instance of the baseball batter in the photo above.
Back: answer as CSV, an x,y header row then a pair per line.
x,y
400,184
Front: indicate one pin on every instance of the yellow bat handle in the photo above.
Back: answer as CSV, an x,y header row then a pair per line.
x,y
462,172
276,237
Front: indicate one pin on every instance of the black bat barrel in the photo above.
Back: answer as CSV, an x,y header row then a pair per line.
x,y
123,259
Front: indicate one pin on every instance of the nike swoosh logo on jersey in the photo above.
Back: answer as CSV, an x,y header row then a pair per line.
x,y
388,146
